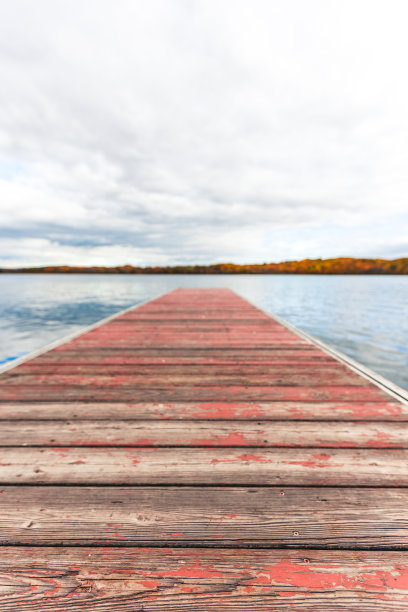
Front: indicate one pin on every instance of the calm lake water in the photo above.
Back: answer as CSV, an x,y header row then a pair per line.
x,y
365,317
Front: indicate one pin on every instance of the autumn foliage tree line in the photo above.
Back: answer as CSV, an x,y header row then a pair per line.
x,y
339,265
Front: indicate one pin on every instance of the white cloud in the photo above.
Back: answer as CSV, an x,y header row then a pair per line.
x,y
41,252
173,131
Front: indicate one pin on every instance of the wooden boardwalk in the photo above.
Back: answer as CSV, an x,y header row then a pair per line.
x,y
193,454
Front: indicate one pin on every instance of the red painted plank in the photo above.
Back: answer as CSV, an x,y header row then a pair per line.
x,y
161,393
247,411
196,370
158,379
204,466
199,580
255,434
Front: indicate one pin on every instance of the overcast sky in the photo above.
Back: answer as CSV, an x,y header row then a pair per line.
x,y
181,131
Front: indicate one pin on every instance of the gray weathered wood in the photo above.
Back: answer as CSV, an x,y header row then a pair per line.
x,y
205,516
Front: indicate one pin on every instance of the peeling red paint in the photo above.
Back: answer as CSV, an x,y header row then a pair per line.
x,y
231,439
323,577
312,464
382,439
251,457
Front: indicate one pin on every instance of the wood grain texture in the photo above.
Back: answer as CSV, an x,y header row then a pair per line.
x,y
268,517
149,580
162,380
212,411
187,393
193,355
204,466
185,370
186,433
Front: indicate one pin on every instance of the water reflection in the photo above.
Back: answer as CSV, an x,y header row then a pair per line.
x,y
362,316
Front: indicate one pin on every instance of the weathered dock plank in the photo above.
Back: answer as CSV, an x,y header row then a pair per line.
x,y
235,411
204,466
159,379
268,517
164,393
149,580
195,355
199,433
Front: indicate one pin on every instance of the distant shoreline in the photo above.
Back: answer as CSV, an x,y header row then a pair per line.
x,y
336,266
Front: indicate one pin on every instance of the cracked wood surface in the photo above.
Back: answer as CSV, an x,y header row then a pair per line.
x,y
229,432
150,580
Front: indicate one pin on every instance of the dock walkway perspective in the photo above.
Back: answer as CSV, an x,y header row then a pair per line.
x,y
195,454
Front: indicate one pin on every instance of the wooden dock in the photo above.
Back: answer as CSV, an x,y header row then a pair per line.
x,y
194,454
